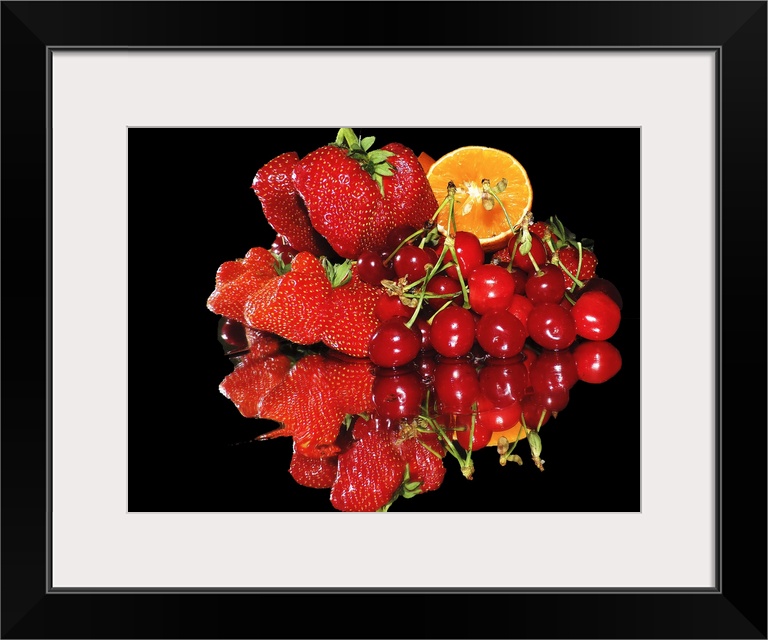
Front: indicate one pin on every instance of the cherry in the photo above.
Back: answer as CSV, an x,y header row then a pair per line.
x,y
481,435
546,284
500,333
424,330
553,399
394,344
520,307
371,268
554,369
596,361
283,250
233,333
601,284
551,327
503,381
411,261
456,386
397,393
397,236
521,277
389,306
453,331
538,251
494,418
442,285
469,254
491,288
596,315
534,414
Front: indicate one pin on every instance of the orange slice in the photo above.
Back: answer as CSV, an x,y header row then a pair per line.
x,y
510,434
467,168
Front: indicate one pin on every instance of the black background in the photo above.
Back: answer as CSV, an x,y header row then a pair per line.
x,y
191,208
734,608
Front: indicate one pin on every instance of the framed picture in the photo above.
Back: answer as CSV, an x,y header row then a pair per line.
x,y
140,502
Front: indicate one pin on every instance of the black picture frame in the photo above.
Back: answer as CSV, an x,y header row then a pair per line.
x,y
736,608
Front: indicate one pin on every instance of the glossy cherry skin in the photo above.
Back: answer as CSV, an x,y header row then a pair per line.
x,y
554,369
481,435
456,386
394,344
453,331
596,315
533,413
520,277
551,327
398,235
596,361
503,381
601,284
538,251
545,285
397,393
501,334
387,307
469,254
520,307
443,285
495,418
412,262
371,268
491,288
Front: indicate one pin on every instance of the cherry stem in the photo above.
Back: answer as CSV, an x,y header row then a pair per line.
x,y
414,235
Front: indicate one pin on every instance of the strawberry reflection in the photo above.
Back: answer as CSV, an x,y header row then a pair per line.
x,y
372,435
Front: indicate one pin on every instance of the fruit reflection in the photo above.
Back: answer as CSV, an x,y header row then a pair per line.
x,y
372,434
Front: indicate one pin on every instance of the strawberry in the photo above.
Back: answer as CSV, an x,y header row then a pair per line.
x,y
355,197
253,377
371,471
316,473
350,318
424,453
283,208
293,304
236,280
568,258
313,400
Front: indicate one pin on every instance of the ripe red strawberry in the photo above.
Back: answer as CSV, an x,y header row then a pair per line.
x,y
424,453
316,473
314,398
354,196
350,317
253,377
540,229
568,257
237,280
283,208
371,471
293,304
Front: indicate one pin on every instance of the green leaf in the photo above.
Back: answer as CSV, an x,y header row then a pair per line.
x,y
367,142
384,170
379,155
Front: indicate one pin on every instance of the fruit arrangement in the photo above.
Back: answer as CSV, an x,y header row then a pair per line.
x,y
409,311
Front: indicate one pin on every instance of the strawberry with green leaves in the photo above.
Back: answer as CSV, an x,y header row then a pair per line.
x,y
283,207
350,318
386,460
237,280
371,471
355,195
292,305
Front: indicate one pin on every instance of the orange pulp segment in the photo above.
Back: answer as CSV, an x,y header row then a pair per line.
x,y
466,168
